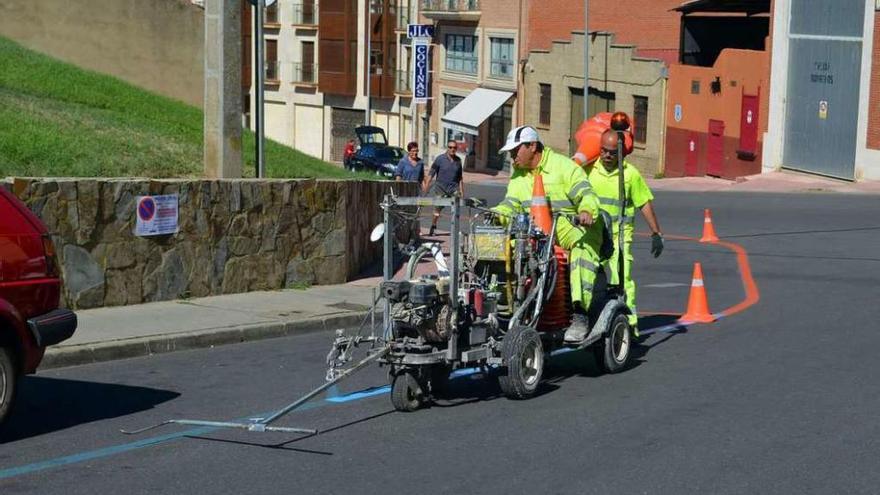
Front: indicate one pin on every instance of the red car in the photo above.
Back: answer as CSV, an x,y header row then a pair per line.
x,y
30,290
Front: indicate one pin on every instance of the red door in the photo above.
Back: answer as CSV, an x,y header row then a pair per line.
x,y
748,134
716,148
690,164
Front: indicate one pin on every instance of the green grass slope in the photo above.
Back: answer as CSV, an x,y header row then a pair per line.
x,y
59,120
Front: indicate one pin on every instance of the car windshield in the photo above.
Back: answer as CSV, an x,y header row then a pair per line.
x,y
389,153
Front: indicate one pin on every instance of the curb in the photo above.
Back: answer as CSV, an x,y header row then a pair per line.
x,y
75,355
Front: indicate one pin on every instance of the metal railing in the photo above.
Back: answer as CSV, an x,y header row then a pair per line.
x,y
305,13
273,72
403,82
305,73
450,5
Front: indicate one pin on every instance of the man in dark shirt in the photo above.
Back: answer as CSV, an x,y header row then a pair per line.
x,y
446,174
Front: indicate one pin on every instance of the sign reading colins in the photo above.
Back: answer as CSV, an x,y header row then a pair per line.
x,y
420,71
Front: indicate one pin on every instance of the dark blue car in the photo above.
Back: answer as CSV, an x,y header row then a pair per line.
x,y
374,154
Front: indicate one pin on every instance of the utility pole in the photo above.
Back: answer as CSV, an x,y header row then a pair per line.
x,y
370,4
586,59
259,7
222,124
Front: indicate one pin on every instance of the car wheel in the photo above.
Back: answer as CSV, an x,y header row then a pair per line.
x,y
7,381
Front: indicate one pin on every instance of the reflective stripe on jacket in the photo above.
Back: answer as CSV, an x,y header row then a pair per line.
x,y
607,188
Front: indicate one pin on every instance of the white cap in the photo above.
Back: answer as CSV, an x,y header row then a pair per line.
x,y
518,136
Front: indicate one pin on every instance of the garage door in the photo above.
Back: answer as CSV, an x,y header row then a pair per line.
x,y
822,104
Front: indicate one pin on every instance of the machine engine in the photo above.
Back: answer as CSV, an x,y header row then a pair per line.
x,y
420,308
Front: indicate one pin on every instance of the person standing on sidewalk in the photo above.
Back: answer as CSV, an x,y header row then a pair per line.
x,y
411,168
446,175
603,175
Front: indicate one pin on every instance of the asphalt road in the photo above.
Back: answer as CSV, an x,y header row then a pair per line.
x,y
778,398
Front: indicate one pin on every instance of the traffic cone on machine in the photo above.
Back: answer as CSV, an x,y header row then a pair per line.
x,y
540,210
708,228
698,305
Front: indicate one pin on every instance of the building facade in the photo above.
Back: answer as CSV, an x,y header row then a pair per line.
x,y
316,73
824,94
718,91
475,77
619,81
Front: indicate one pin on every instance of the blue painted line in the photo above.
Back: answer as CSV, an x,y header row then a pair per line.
x,y
363,394
126,447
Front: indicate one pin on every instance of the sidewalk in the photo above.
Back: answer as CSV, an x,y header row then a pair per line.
x,y
105,334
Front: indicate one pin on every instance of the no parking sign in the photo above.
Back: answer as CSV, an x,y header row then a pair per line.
x,y
156,215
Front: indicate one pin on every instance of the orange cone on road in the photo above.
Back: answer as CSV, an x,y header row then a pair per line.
x,y
540,210
698,304
708,228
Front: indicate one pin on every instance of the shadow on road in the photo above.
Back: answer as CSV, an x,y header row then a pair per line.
x,y
44,405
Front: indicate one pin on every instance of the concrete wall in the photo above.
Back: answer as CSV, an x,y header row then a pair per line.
x,y
740,72
624,75
235,235
155,44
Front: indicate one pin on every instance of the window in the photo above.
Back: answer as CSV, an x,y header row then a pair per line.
x,y
271,14
640,116
461,53
501,57
451,101
272,60
544,112
695,87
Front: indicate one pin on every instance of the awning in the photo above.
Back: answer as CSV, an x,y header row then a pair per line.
x,y
474,110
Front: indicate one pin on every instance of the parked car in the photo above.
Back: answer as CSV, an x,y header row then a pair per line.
x,y
374,154
30,292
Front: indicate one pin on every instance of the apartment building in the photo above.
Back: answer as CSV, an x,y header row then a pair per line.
x,y
316,82
475,77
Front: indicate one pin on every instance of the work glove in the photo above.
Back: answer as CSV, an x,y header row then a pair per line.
x,y
656,244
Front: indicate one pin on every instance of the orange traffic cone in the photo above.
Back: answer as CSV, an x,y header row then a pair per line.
x,y
698,305
708,228
540,210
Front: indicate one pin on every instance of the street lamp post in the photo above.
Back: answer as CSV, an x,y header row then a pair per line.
x,y
260,124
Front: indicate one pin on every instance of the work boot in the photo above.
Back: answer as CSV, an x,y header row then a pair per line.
x,y
578,330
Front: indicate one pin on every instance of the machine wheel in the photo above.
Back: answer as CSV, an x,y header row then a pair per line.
x,y
7,381
612,352
406,392
523,354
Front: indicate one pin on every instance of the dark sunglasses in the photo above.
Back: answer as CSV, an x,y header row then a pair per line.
x,y
606,151
451,147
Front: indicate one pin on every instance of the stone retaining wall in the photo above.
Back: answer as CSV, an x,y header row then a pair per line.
x,y
235,235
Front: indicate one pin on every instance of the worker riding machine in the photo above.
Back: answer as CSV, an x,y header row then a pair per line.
x,y
501,303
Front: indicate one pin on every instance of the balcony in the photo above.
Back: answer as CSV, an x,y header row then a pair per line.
x,y
305,14
273,73
403,83
305,74
451,10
